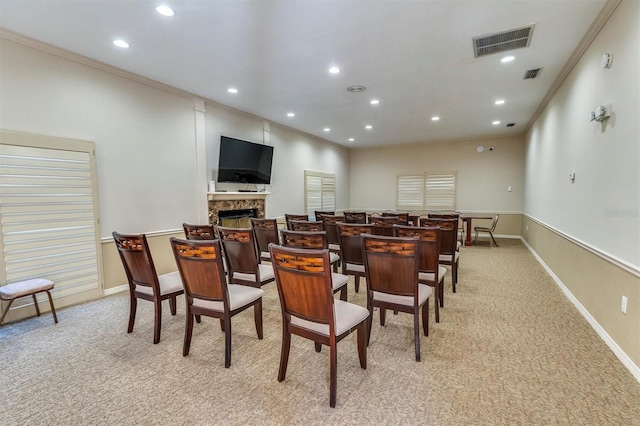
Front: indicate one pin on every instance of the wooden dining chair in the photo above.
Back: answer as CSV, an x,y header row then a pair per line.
x,y
198,232
430,271
309,310
243,264
265,232
451,215
318,214
383,225
449,255
207,292
391,266
317,240
403,217
144,282
329,223
305,225
351,249
355,217
289,217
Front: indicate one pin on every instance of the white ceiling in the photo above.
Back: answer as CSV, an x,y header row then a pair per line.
x,y
415,56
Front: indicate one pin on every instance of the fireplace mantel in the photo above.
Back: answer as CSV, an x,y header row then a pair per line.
x,y
232,195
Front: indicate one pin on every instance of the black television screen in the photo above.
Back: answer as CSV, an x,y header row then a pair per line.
x,y
244,162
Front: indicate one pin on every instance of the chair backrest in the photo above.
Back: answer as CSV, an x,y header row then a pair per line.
x,y
201,269
329,223
305,239
319,214
429,245
351,241
239,249
403,217
303,278
443,215
383,225
198,232
289,217
137,261
265,232
355,217
305,225
391,265
495,222
448,233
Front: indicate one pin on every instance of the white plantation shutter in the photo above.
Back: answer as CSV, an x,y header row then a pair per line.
x,y
410,191
48,220
440,189
320,191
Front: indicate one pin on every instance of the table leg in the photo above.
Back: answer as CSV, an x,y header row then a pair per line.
x,y
467,238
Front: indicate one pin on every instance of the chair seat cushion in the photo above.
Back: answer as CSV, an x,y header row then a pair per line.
x,y
333,257
429,276
458,245
239,296
446,258
25,288
334,247
347,316
338,280
352,267
169,283
265,255
424,291
266,274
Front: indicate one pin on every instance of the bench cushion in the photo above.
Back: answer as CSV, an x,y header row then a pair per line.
x,y
25,288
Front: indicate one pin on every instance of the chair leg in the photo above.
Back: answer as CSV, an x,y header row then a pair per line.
x,y
257,318
6,310
454,276
157,309
284,352
416,334
35,302
357,280
441,293
172,305
133,305
436,301
494,240
227,344
383,316
188,331
53,308
425,318
198,319
343,293
370,324
362,344
318,346
333,374
475,238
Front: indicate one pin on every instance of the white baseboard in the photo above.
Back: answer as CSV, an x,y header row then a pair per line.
x,y
617,350
116,290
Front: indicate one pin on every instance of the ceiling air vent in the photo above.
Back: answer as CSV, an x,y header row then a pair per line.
x,y
511,124
532,73
501,42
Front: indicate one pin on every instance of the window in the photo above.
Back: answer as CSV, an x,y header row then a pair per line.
x,y
426,191
319,191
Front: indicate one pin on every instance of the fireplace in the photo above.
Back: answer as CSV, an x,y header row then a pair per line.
x,y
237,218
248,208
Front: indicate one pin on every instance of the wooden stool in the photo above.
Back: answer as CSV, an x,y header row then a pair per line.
x,y
32,287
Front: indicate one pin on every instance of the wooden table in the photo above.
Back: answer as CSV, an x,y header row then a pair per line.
x,y
467,218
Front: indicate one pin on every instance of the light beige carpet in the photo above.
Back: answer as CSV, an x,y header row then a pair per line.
x,y
510,349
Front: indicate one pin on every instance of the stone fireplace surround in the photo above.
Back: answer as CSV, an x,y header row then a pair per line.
x,y
218,205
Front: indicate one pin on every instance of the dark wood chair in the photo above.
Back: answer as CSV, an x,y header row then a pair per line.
x,y
383,225
403,217
198,232
305,225
243,263
355,217
289,217
351,249
144,282
319,214
317,240
430,271
207,293
309,310
265,232
329,223
488,230
391,266
450,215
449,255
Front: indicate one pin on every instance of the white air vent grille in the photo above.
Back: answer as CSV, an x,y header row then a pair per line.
x,y
501,42
532,73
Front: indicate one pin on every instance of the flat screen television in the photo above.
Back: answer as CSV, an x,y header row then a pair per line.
x,y
244,162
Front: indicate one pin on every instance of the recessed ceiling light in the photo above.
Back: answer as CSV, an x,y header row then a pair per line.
x,y
507,59
368,127
232,90
500,102
121,43
435,118
165,10
374,102
351,139
495,123
326,129
290,114
334,70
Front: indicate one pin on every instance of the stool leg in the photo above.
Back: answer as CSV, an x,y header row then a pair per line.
x,y
35,302
6,310
53,309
